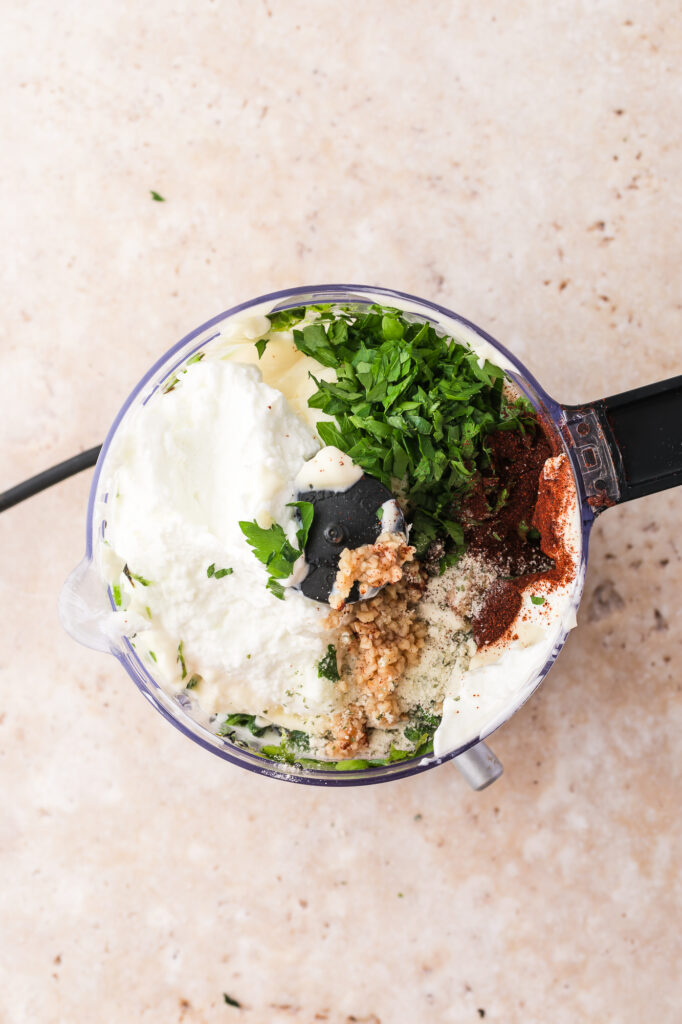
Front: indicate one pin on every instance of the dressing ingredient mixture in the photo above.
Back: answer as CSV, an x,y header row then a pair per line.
x,y
204,545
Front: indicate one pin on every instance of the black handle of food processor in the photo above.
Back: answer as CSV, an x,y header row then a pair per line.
x,y
630,444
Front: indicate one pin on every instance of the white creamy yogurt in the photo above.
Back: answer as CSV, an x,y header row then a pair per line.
x,y
219,448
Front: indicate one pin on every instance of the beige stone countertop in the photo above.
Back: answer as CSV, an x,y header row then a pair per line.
x,y
517,162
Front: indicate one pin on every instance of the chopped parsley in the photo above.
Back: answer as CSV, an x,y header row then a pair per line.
x,y
241,721
537,600
217,573
410,406
273,548
327,667
152,656
285,319
294,744
193,682
116,590
156,196
132,576
260,346
181,661
231,1001
173,381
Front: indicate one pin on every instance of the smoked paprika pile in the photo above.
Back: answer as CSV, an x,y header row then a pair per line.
x,y
512,517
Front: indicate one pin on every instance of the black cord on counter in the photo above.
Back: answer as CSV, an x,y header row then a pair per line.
x,y
54,475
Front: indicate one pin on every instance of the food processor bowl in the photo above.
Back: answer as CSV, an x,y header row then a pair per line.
x,y
86,602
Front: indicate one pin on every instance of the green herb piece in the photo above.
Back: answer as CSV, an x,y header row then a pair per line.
x,y
181,661
400,896
231,1001
273,548
496,536
218,573
533,534
299,740
380,512
171,385
242,721
132,576
260,346
193,682
275,587
152,656
156,196
419,731
395,754
116,590
196,358
327,667
425,719
537,600
501,500
306,510
286,318
346,766
148,611
292,744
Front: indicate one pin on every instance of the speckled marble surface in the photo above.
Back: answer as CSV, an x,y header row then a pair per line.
x,y
519,163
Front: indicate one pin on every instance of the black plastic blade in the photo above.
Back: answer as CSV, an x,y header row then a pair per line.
x,y
343,519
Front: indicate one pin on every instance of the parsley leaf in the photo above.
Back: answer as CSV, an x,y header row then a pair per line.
x,y
286,318
230,1001
242,721
156,196
306,511
192,683
327,667
260,346
537,600
273,548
